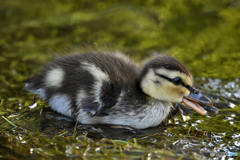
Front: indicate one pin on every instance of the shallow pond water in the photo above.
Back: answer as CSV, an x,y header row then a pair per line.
x,y
203,35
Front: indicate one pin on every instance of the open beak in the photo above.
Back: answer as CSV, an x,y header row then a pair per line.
x,y
196,99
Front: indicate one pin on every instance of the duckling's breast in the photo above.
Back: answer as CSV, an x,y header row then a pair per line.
x,y
134,113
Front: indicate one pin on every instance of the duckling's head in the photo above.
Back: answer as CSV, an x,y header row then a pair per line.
x,y
166,79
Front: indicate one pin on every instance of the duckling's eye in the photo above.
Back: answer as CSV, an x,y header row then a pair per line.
x,y
177,81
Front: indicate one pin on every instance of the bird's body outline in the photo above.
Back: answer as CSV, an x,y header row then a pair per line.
x,y
109,88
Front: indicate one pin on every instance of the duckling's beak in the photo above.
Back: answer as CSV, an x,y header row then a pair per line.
x,y
195,99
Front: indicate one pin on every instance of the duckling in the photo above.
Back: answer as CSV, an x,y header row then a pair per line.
x,y
108,88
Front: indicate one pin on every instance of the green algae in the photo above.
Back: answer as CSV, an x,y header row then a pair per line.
x,y
204,35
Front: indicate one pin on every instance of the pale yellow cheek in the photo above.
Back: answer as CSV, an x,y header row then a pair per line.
x,y
182,91
174,93
171,89
185,92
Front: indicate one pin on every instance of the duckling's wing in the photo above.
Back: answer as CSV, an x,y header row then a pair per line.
x,y
108,98
89,83
96,108
95,104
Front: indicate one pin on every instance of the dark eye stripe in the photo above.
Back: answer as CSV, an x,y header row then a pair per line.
x,y
173,81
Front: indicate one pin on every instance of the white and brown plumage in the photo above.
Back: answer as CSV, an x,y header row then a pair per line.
x,y
109,89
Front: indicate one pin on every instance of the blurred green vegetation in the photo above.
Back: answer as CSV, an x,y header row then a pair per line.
x,y
199,33
204,35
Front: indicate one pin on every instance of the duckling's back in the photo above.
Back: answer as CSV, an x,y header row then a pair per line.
x,y
91,82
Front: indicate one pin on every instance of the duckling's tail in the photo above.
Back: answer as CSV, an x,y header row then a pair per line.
x,y
35,85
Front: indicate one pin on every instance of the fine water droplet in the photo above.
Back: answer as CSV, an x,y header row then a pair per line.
x,y
33,106
31,150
